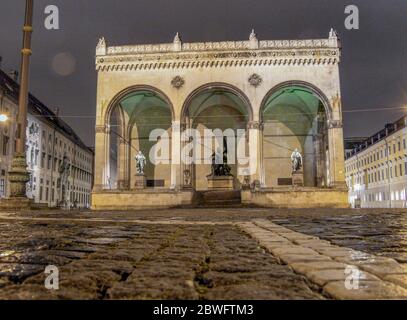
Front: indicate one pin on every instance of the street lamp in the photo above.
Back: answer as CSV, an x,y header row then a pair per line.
x,y
18,175
3,117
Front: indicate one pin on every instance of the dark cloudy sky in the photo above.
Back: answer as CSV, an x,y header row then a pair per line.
x,y
373,69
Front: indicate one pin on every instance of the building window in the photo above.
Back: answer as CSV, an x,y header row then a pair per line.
x,y
5,145
2,188
43,160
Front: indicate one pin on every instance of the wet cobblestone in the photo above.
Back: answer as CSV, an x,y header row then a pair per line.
x,y
382,233
108,260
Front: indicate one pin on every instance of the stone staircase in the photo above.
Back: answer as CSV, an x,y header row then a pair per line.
x,y
219,199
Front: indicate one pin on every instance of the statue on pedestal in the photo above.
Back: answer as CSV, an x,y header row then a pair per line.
x,y
140,162
296,160
221,177
220,168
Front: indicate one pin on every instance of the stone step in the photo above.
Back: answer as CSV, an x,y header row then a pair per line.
x,y
221,199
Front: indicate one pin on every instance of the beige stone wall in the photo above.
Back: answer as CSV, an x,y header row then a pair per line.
x,y
322,198
127,200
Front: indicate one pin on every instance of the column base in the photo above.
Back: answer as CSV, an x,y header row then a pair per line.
x,y
17,204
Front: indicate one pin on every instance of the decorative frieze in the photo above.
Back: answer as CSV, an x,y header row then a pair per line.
x,y
133,63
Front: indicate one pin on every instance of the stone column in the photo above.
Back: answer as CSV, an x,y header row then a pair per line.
x,y
101,142
255,136
336,154
319,159
176,176
122,163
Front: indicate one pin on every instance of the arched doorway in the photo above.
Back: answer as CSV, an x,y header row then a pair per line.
x,y
213,107
295,116
140,118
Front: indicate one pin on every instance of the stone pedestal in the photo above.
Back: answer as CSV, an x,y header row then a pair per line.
x,y
140,181
298,178
18,176
17,204
220,183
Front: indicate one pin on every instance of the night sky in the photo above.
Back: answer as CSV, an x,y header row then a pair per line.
x,y
374,58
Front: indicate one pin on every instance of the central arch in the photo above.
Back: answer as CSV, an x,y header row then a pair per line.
x,y
209,107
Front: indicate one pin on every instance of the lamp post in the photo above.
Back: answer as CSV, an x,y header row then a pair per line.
x,y
18,175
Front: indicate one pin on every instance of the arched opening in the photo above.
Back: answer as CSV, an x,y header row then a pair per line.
x,y
139,119
209,108
295,117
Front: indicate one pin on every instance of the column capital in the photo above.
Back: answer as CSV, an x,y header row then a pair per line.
x,y
335,124
255,125
176,125
102,129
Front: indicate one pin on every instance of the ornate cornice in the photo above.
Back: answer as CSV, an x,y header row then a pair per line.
x,y
217,54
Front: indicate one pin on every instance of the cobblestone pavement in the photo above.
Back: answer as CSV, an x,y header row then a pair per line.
x,y
197,254
133,261
381,233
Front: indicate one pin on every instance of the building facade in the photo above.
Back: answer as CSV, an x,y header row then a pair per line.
x,y
285,94
60,165
376,170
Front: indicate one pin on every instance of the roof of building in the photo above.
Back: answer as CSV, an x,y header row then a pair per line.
x,y
388,130
11,88
353,142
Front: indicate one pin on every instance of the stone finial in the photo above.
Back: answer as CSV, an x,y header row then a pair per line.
x,y
333,34
254,42
177,42
101,47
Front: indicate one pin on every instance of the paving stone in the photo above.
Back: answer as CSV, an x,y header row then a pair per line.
x,y
398,279
384,269
368,290
293,258
322,277
293,249
303,267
